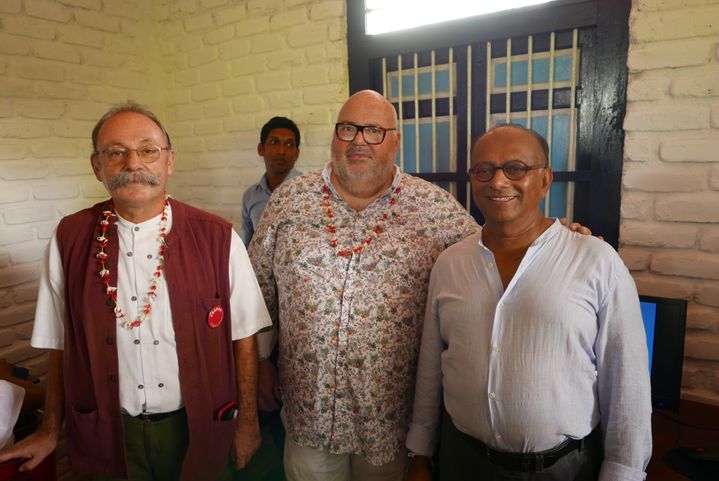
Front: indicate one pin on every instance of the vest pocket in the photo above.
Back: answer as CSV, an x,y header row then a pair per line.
x,y
86,435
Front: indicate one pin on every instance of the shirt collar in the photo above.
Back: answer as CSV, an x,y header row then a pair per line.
x,y
543,238
262,184
327,177
153,223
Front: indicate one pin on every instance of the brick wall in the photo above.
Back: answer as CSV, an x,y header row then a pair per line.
x,y
669,234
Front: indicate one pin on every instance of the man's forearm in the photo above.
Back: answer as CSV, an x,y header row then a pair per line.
x,y
55,393
246,369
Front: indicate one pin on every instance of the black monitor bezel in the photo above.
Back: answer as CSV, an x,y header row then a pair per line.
x,y
668,352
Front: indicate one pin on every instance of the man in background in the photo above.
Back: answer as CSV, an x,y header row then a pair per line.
x,y
279,147
533,338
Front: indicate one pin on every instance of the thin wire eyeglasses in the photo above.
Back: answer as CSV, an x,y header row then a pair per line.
x,y
371,134
146,153
513,170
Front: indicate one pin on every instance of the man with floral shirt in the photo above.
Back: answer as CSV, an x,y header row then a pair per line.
x,y
343,258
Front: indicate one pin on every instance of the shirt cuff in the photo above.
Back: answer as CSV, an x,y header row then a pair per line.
x,y
618,472
266,340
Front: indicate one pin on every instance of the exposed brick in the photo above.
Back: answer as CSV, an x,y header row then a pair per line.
x,y
675,24
69,168
715,116
177,97
662,286
688,207
230,15
23,331
316,54
10,6
240,86
269,42
648,86
40,109
635,259
198,22
283,100
337,74
283,59
686,263
329,9
29,27
97,20
708,294
697,83
238,124
128,10
667,115
53,149
208,127
251,64
301,37
219,35
16,275
215,110
128,80
7,336
28,292
214,71
705,348
212,3
56,190
212,160
653,5
652,234
282,20
91,189
336,50
252,26
15,88
190,145
235,49
702,317
187,78
309,77
188,112
89,4
10,194
202,56
337,30
181,8
26,215
55,90
671,54
256,8
714,178
48,10
654,178
40,70
14,45
15,315
312,115
709,239
27,254
691,148
641,146
328,94
24,129
198,93
245,104
274,81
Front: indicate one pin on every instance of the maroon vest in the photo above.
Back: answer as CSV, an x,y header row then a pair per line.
x,y
196,269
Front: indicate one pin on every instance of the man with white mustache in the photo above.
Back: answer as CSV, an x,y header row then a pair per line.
x,y
148,308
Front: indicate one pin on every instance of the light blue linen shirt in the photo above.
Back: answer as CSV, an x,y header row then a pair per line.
x,y
561,350
254,201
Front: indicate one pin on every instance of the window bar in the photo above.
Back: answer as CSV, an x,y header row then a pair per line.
x,y
416,115
434,116
488,98
571,156
469,120
550,115
508,82
452,153
384,77
530,43
399,96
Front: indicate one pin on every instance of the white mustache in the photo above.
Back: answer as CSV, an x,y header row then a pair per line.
x,y
361,149
126,177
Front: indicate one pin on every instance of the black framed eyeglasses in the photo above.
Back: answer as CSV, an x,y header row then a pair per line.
x,y
513,170
146,153
371,134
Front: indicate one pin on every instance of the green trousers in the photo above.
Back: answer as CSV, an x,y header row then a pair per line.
x,y
155,450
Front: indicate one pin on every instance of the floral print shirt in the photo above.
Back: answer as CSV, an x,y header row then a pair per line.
x,y
349,326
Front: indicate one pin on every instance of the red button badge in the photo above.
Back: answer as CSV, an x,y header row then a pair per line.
x,y
214,318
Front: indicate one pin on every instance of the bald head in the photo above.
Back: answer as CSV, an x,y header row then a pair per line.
x,y
518,131
372,107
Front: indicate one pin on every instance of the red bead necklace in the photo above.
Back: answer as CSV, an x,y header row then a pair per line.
x,y
375,232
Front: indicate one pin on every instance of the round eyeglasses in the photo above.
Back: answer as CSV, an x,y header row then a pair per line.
x,y
146,153
371,134
513,170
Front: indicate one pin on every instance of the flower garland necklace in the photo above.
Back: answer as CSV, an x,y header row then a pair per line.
x,y
111,291
375,232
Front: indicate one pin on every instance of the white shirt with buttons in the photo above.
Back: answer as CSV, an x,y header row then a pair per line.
x,y
148,368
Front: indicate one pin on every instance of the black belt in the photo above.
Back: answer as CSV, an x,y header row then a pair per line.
x,y
153,418
525,462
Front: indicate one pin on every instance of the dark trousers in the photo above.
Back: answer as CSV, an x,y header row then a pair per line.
x,y
461,460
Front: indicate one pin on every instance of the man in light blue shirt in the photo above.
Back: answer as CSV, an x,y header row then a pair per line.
x,y
279,146
533,339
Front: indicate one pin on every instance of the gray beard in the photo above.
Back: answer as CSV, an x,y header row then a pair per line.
x,y
364,184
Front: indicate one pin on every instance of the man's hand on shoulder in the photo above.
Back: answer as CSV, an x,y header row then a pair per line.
x,y
577,227
34,449
246,441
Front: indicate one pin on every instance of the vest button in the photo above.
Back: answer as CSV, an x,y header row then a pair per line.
x,y
161,385
109,340
113,378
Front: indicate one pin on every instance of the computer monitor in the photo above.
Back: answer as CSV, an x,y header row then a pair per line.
x,y
665,324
